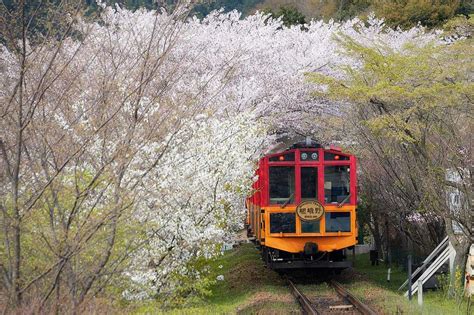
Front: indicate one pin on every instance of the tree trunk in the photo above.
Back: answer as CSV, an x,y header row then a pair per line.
x,y
376,233
15,291
461,244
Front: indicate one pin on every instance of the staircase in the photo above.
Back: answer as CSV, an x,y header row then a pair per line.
x,y
438,257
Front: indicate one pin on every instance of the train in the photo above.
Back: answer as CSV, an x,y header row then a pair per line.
x,y
302,209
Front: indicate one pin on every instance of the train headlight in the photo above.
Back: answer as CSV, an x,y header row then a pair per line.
x,y
314,156
304,156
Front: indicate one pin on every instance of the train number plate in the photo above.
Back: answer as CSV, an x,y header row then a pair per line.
x,y
310,210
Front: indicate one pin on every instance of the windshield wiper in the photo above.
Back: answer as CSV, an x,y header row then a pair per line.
x,y
342,202
287,201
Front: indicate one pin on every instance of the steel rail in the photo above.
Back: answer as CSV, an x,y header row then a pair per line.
x,y
361,307
302,299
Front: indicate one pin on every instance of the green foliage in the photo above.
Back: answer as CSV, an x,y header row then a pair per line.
x,y
412,91
206,7
349,9
133,4
59,227
407,13
412,118
466,7
40,19
452,289
192,286
323,9
289,14
460,26
363,219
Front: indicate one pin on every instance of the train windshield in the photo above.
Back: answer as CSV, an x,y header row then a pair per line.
x,y
338,222
336,184
309,183
282,223
282,184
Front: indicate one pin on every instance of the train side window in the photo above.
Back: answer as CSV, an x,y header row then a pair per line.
x,y
282,223
338,221
309,183
282,184
310,227
336,184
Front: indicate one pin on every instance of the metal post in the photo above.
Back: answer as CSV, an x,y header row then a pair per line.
x,y
409,277
420,292
353,256
387,235
388,274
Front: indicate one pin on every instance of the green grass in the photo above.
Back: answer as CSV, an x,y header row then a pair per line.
x,y
248,288
370,285
378,274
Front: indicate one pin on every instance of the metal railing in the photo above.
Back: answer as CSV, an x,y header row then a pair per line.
x,y
442,246
440,255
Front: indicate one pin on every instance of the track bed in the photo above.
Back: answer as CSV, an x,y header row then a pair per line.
x,y
337,300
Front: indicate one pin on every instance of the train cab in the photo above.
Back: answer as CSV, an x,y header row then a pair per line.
x,y
302,212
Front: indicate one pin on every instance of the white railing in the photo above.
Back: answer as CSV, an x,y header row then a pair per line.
x,y
444,243
442,253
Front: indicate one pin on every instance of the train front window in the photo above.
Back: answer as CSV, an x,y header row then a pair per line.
x,y
338,221
282,223
336,184
282,184
309,226
309,182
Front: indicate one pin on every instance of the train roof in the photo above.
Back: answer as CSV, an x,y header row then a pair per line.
x,y
307,144
286,142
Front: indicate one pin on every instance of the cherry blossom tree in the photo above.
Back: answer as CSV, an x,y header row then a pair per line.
x,y
129,142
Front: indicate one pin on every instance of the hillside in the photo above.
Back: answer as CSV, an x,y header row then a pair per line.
x,y
405,13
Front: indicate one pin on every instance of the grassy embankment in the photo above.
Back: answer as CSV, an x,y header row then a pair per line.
x,y
249,288
370,285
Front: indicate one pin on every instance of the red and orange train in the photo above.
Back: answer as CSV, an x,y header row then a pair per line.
x,y
302,212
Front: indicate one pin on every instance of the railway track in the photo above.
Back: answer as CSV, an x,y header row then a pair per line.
x,y
343,303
